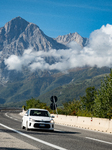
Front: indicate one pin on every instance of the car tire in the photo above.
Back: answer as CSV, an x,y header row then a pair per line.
x,y
22,127
27,126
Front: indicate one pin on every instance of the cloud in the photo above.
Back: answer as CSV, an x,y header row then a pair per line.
x,y
97,52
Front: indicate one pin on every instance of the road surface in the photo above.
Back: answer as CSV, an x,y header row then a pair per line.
x,y
63,138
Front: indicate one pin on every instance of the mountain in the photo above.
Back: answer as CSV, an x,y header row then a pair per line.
x,y
18,35
66,39
18,86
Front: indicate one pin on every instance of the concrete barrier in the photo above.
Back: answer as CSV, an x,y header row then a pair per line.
x,y
22,113
83,122
96,124
99,124
65,120
110,127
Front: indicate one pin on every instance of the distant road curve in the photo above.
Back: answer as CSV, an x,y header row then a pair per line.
x,y
10,109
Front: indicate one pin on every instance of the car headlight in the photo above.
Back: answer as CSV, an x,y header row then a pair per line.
x,y
32,120
52,121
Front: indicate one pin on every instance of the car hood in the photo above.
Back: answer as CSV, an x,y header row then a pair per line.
x,y
40,118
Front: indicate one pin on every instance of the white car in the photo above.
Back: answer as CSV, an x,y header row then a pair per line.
x,y
38,119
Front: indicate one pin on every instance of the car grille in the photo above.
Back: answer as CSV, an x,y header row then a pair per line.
x,y
42,121
36,125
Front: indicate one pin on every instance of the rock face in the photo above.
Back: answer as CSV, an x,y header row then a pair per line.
x,y
65,39
18,35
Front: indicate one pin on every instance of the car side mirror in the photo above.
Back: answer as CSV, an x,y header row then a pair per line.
x,y
52,116
26,114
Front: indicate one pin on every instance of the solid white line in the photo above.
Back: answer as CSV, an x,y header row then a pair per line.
x,y
98,140
33,138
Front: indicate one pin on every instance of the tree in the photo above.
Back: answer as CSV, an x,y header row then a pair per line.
x,y
71,107
103,98
88,100
33,103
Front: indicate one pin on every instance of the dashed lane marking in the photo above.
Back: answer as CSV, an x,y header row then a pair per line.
x,y
98,140
11,117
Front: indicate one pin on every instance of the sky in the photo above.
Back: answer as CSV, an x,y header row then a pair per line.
x,y
59,17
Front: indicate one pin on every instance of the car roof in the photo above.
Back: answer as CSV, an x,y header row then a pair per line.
x,y
37,109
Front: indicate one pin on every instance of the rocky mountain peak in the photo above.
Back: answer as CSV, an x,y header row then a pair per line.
x,y
65,39
16,23
19,34
14,28
11,31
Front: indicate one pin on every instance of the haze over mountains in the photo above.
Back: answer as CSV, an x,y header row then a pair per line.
x,y
30,61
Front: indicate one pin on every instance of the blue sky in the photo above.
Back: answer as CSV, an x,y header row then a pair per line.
x,y
59,17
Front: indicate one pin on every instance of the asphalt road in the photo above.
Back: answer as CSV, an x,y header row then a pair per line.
x,y
63,138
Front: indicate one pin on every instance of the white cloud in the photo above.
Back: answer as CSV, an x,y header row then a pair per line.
x,y
14,63
97,52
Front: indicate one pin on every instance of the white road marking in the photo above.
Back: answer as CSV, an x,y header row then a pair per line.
x,y
33,138
98,140
10,117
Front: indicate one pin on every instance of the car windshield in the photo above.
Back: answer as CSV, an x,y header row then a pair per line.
x,y
39,113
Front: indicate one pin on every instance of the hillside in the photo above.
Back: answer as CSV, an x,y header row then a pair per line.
x,y
73,90
65,86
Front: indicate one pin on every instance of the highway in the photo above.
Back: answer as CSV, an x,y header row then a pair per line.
x,y
63,138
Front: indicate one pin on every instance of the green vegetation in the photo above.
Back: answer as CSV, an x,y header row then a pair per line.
x,y
33,103
103,99
70,108
74,88
95,103
87,101
66,86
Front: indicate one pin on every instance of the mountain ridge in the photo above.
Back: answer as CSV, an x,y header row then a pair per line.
x,y
18,35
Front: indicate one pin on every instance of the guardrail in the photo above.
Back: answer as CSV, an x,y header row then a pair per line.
x,y
2,109
96,124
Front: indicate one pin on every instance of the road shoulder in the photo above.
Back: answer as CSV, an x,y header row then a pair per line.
x,y
8,141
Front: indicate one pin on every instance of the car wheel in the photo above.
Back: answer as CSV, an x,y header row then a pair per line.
x,y
22,127
27,126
